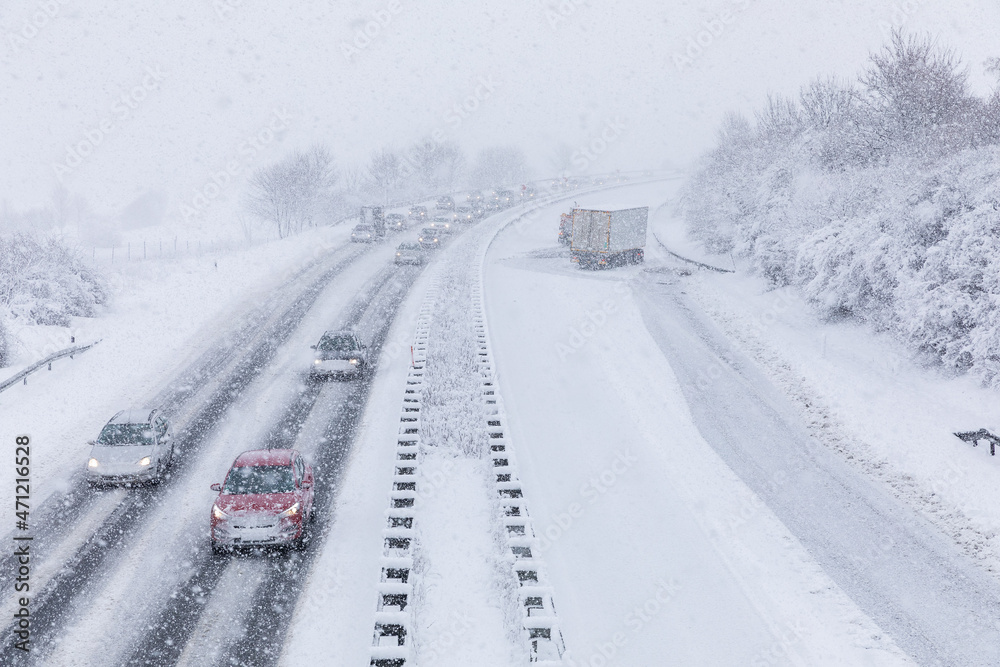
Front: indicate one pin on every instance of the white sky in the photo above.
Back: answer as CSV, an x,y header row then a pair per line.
x,y
226,71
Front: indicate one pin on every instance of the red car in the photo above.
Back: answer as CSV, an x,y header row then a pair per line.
x,y
267,498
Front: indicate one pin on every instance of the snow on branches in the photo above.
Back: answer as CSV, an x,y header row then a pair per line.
x,y
879,199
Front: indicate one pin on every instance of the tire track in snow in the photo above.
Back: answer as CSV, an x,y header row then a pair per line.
x,y
272,599
56,600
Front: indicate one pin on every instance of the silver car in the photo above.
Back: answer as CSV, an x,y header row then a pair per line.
x,y
135,446
442,224
409,253
339,353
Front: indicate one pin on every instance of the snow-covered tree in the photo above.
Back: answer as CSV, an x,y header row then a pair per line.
x,y
385,171
296,192
916,99
499,166
879,201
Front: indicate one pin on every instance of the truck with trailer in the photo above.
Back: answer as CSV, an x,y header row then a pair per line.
x,y
565,228
608,238
371,227
374,217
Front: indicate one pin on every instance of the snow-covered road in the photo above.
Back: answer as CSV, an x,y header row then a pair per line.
x,y
676,509
663,481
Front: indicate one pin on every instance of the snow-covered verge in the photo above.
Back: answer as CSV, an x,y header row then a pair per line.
x,y
658,553
43,282
165,314
863,395
879,200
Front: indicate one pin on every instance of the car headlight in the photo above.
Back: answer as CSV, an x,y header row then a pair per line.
x,y
145,461
399,254
291,511
317,361
92,463
218,514
354,361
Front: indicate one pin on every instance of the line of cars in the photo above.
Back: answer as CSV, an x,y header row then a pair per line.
x,y
266,497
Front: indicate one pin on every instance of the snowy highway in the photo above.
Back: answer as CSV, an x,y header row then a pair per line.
x,y
144,555
561,334
783,555
703,517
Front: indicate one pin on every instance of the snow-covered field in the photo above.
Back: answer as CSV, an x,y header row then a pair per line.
x,y
166,314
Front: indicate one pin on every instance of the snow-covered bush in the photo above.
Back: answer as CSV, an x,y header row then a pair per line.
x,y
880,202
4,345
42,281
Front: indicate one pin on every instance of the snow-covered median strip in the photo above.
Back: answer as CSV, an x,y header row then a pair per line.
x,y
393,615
535,596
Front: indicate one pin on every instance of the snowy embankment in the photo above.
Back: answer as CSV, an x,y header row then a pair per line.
x,y
656,550
165,314
878,198
864,395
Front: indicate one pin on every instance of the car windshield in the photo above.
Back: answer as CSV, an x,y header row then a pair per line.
x,y
428,231
338,343
408,246
126,434
363,228
259,479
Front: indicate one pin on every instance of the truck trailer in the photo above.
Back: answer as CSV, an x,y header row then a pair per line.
x,y
608,238
372,216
